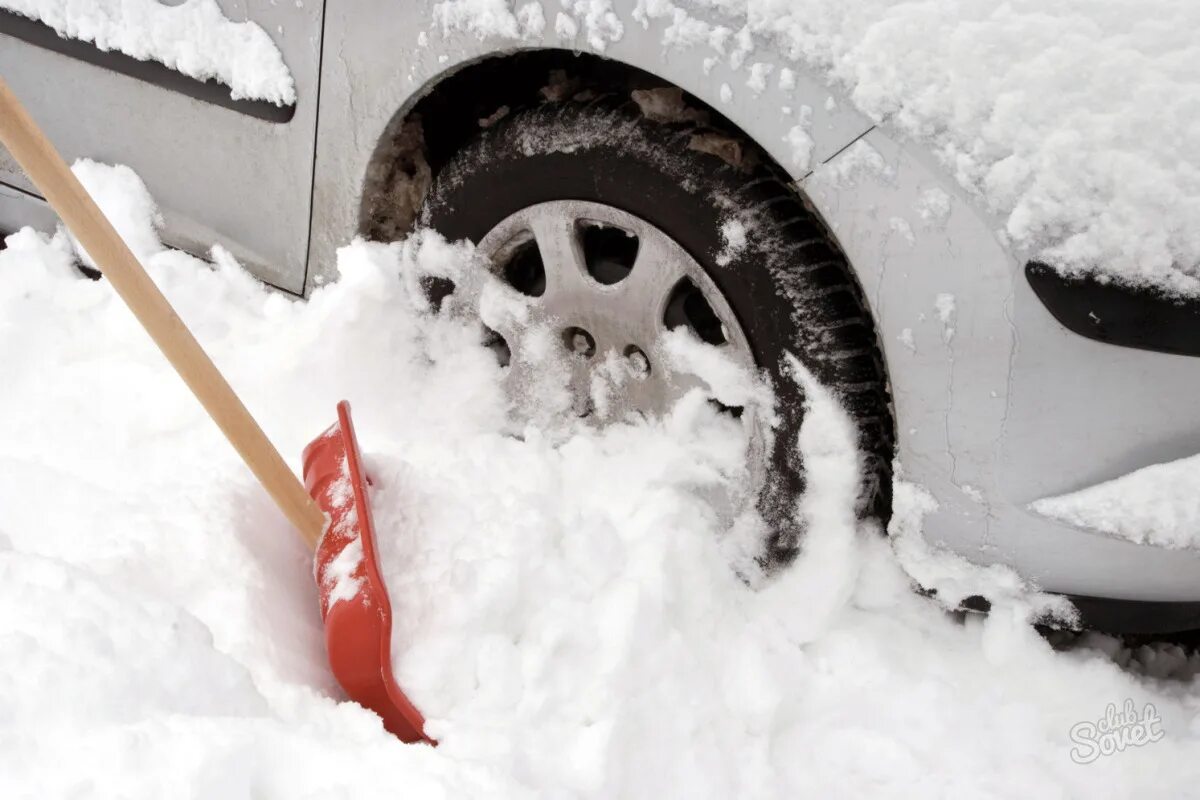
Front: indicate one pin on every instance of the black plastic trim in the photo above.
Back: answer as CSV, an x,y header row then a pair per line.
x,y
209,91
1126,316
1136,616
1109,615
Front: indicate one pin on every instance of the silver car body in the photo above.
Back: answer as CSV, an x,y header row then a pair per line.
x,y
996,403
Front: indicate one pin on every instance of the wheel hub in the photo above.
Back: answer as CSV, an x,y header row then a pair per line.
x,y
610,286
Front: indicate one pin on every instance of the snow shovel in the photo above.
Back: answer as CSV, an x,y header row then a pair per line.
x,y
353,598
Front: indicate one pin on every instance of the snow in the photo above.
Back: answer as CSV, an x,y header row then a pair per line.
x,y
573,615
337,576
973,493
799,140
483,18
728,382
531,19
339,583
945,307
933,207
599,21
759,72
733,239
859,159
565,26
1158,504
901,228
493,18
193,37
128,203
1072,121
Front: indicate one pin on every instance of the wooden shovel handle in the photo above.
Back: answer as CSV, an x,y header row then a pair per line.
x,y
46,168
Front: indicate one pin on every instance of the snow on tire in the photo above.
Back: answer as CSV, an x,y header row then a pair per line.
x,y
771,258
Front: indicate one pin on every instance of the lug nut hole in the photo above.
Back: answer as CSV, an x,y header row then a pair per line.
x,y
639,364
579,341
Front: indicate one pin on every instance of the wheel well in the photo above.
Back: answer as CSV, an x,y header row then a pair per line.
x,y
423,137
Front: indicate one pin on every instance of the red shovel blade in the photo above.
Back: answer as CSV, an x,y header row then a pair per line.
x,y
354,601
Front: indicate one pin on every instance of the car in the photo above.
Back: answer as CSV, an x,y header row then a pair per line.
x,y
629,189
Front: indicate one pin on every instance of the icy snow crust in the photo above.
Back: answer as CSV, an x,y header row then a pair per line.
x,y
568,613
1074,121
193,37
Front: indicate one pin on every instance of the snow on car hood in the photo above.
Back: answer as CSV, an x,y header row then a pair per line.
x,y
194,38
1075,122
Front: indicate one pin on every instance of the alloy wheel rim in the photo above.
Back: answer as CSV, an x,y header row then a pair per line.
x,y
603,287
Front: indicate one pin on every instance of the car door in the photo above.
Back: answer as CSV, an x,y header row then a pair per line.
x,y
237,172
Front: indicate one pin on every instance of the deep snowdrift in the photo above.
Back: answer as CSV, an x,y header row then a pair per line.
x,y
568,613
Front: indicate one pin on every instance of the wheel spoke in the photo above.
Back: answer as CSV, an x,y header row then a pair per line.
x,y
562,257
643,293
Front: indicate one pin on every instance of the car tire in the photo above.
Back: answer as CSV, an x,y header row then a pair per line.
x,y
789,284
